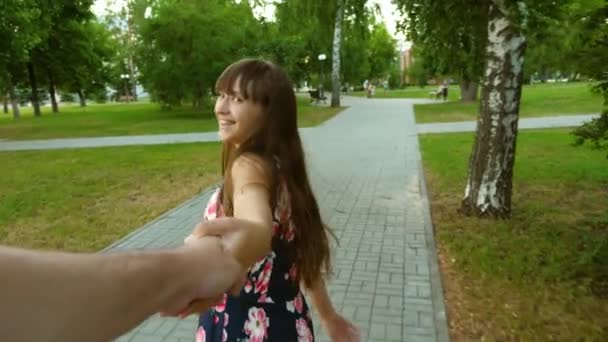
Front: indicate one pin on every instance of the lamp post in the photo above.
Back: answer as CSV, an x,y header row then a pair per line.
x,y
125,77
322,58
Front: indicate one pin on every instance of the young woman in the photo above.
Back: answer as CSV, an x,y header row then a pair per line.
x,y
281,238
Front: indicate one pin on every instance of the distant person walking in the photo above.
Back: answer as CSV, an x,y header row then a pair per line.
x,y
444,90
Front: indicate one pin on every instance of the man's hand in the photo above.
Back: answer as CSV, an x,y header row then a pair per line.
x,y
228,229
233,241
208,273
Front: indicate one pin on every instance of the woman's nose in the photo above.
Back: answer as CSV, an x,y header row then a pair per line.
x,y
221,106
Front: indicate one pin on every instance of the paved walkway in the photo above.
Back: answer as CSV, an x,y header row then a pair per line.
x,y
365,169
152,139
526,123
160,139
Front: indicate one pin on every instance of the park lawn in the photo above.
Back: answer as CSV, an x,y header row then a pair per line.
x,y
537,100
84,199
530,277
310,115
136,118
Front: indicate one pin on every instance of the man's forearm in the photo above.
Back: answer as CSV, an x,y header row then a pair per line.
x,y
69,297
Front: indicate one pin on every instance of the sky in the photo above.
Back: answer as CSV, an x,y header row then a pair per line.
x,y
386,7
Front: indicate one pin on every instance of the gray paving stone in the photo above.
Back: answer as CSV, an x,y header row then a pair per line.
x,y
141,337
393,332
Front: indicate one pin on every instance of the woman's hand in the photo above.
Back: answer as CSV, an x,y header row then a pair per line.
x,y
339,329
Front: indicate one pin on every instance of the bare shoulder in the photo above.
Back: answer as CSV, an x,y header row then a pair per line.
x,y
249,168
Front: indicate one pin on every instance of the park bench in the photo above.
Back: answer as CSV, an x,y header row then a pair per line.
x,y
435,94
314,96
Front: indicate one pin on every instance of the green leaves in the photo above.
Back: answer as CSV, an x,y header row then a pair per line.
x,y
183,47
451,35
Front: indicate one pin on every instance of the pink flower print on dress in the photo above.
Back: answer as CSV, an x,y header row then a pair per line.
x,y
212,210
212,206
221,306
263,281
256,327
256,267
224,335
304,333
200,335
265,299
225,320
248,286
296,305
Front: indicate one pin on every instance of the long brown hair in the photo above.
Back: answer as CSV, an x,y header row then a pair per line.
x,y
267,84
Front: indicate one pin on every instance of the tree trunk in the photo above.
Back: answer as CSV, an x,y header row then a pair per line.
x,y
5,103
132,79
34,86
83,100
489,184
52,92
468,91
14,101
335,72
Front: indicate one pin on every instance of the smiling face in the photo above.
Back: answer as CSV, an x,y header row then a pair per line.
x,y
238,117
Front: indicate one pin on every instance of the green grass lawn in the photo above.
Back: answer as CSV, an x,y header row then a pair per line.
x,y
540,275
128,119
537,100
310,115
84,199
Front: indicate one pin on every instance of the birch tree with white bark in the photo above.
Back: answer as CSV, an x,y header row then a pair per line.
x,y
490,178
337,43
489,184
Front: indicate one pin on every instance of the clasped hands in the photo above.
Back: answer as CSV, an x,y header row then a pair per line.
x,y
214,243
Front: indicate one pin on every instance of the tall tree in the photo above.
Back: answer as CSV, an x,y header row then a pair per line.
x,y
382,52
489,183
452,35
313,21
591,56
88,56
20,33
61,26
337,44
354,64
174,67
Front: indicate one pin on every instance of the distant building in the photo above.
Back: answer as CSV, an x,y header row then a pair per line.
x,y
405,61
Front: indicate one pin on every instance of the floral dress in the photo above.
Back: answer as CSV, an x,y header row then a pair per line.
x,y
271,306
